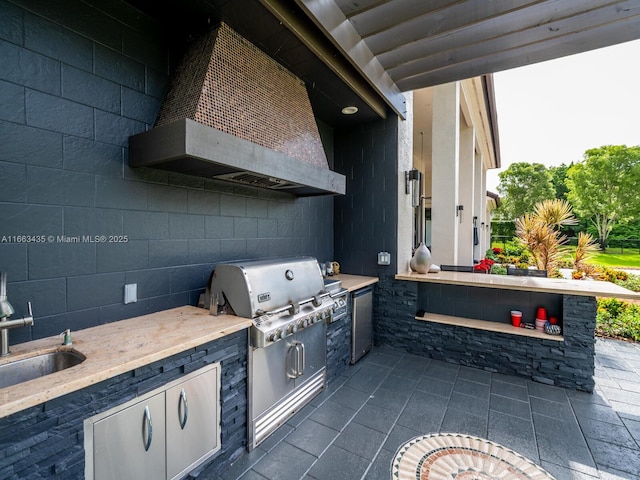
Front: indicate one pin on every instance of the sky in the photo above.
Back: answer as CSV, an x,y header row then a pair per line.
x,y
552,112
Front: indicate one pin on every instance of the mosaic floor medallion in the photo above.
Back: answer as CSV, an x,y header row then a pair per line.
x,y
452,456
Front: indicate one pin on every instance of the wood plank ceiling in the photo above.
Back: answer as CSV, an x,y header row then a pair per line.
x,y
403,45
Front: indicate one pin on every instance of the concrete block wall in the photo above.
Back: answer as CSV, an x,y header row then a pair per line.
x,y
368,214
76,80
47,441
569,363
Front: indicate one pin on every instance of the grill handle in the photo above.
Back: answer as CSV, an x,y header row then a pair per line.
x,y
295,306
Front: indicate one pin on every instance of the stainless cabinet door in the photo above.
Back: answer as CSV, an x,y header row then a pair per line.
x,y
192,410
362,324
270,374
314,341
130,444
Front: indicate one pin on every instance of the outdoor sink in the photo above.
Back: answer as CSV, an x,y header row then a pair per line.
x,y
34,367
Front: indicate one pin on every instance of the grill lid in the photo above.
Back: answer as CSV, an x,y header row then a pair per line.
x,y
252,288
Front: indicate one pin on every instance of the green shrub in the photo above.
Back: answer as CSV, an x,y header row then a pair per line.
x,y
616,318
631,283
498,269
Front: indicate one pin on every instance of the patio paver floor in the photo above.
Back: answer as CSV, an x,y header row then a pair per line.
x,y
352,430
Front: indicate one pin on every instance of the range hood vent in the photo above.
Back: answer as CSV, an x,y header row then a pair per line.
x,y
235,114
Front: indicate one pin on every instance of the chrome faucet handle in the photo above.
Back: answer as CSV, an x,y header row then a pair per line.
x,y
29,309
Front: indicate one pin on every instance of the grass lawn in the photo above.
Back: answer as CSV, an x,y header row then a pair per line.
x,y
619,260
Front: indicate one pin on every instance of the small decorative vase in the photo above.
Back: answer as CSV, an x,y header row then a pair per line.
x,y
421,259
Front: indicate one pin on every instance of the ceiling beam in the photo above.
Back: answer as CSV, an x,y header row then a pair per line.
x,y
330,19
325,52
536,33
588,39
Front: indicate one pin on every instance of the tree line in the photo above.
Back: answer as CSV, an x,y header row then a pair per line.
x,y
603,190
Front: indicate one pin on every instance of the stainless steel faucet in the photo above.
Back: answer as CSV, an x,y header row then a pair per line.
x,y
6,310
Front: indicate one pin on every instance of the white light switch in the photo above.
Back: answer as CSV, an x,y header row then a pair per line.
x,y
384,258
131,293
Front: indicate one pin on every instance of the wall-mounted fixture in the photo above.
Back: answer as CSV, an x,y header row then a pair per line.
x,y
384,258
412,186
350,110
459,209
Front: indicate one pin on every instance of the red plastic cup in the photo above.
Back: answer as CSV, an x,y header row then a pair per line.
x,y
516,318
542,313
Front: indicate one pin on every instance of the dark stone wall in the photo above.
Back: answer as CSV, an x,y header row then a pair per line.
x,y
569,363
366,217
47,441
76,80
489,304
339,345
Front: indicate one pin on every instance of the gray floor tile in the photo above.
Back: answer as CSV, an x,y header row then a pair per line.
x,y
391,400
561,430
514,433
381,467
606,432
400,435
368,378
629,386
276,437
253,475
622,396
312,437
626,375
573,455
561,411
349,397
332,416
376,417
243,464
387,358
475,375
555,394
284,462
456,421
512,379
474,389
435,386
565,473
337,463
395,382
613,474
519,392
441,371
633,427
592,411
300,417
614,456
361,440
423,413
469,404
411,367
626,410
510,406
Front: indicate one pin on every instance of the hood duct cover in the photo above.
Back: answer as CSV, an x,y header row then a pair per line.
x,y
234,113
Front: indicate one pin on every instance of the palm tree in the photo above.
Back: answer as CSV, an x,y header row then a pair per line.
x,y
540,232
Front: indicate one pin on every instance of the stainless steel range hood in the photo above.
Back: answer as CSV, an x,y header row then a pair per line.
x,y
187,146
235,114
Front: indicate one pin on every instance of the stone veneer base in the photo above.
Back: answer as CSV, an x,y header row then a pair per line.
x,y
569,363
47,441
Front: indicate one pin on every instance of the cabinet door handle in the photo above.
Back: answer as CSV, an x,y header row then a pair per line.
x,y
182,402
147,429
303,360
292,370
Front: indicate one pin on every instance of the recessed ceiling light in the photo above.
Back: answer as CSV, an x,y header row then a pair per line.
x,y
350,110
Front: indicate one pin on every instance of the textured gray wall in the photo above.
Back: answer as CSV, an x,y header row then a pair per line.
x,y
75,82
366,217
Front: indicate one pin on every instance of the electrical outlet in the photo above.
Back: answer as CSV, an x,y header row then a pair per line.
x,y
131,293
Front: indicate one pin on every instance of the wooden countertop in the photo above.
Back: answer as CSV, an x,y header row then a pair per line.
x,y
354,282
115,348
531,284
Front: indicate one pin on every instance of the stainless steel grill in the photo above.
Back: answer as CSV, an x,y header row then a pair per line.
x,y
290,306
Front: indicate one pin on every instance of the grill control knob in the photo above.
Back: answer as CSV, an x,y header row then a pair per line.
x,y
275,336
292,328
